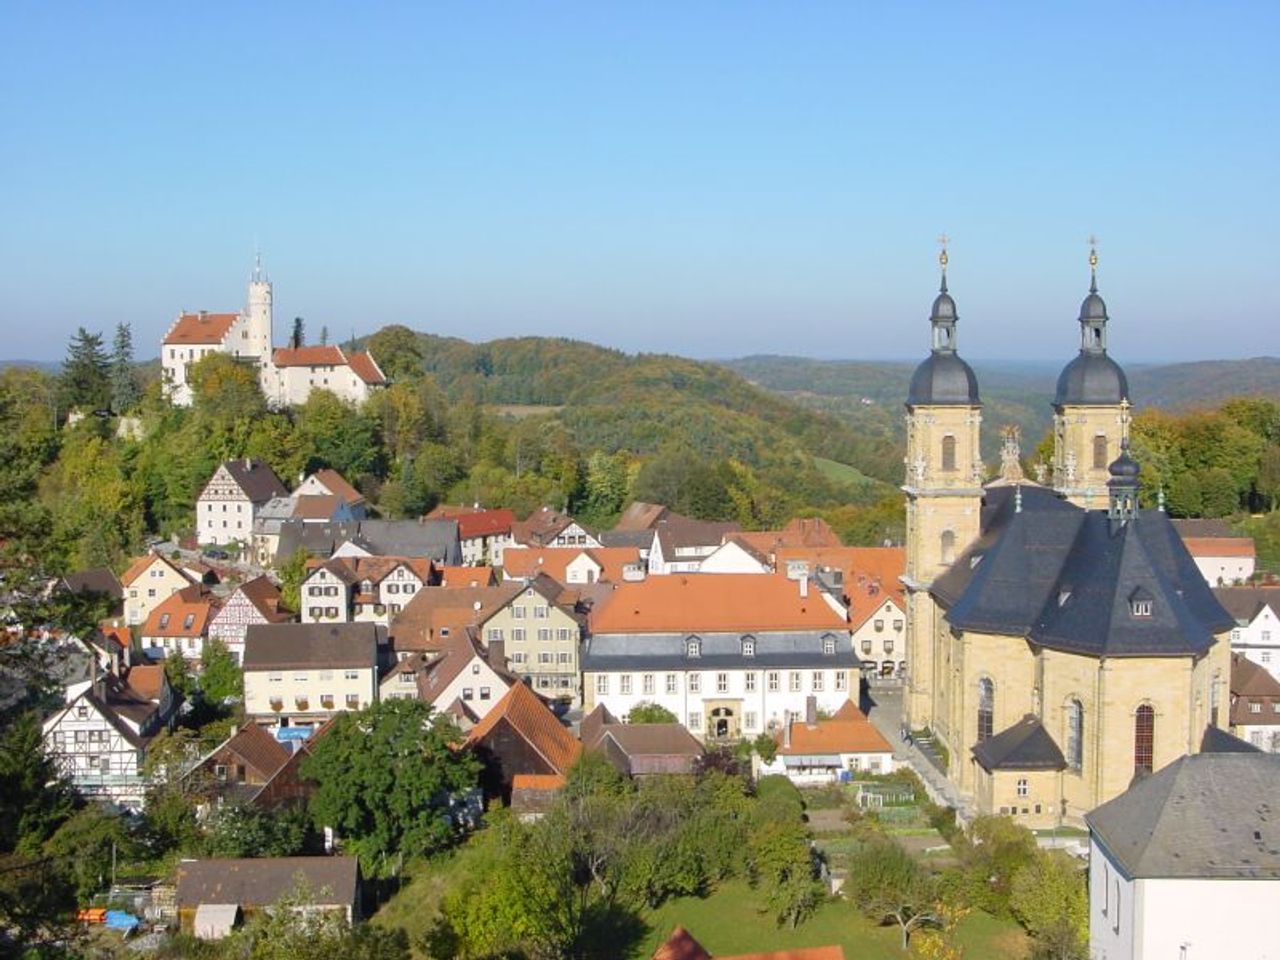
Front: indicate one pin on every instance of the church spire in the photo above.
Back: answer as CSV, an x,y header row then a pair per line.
x,y
1093,311
943,315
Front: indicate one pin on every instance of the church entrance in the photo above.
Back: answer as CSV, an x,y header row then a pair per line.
x,y
723,721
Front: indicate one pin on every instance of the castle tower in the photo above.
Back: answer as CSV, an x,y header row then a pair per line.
x,y
1090,409
259,315
944,493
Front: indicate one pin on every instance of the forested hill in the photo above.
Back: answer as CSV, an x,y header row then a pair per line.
x,y
612,400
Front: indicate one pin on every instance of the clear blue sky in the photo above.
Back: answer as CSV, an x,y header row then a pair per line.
x,y
711,179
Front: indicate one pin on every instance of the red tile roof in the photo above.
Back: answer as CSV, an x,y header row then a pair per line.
x,y
1220,546
191,602
364,367
317,356
681,946
848,732
726,602
142,564
537,781
200,328
147,680
530,717
258,748
467,576
265,597
523,562
337,484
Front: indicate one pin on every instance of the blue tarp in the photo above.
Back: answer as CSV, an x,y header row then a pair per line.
x,y
120,920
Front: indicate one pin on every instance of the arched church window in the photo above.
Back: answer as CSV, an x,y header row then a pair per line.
x,y
1215,697
1144,738
1075,734
948,452
986,708
1100,452
948,546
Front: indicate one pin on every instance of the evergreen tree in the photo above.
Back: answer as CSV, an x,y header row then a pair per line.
x,y
124,387
85,381
298,336
324,336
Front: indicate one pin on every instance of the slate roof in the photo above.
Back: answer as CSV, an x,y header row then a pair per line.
x,y
1208,815
284,646
98,580
1024,746
1217,740
261,881
1061,577
719,651
435,539
1245,603
257,480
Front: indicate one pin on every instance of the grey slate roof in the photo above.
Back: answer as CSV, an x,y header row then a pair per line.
x,y
1091,379
1206,815
1217,740
1061,577
261,881
720,651
434,539
98,580
258,481
1024,746
943,379
283,646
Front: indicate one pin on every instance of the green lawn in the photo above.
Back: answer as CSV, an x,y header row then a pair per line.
x,y
728,922
839,472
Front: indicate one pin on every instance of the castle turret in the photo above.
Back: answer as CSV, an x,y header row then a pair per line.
x,y
259,316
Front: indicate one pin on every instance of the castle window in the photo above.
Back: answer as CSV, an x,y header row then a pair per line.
x,y
948,452
693,647
1024,787
1075,734
948,546
986,708
1144,738
1100,452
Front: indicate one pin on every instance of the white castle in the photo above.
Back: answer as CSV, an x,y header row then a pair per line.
x,y
287,374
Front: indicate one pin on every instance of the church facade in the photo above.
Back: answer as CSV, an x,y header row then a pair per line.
x,y
1060,639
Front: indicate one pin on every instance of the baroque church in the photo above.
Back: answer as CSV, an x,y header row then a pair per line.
x,y
1060,639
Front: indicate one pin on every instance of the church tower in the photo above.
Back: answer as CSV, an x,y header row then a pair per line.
x,y
1090,409
259,316
944,493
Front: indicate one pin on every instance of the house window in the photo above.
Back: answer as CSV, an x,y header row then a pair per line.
x,y
1075,734
1144,738
564,657
353,701
351,675
315,613
794,681
842,680
722,683
602,684
1140,607
275,677
671,683
748,647
695,721
879,625
625,685
948,452
1023,787
866,646
646,684
695,683
544,634
749,681
539,613
1100,452
188,621
517,634
1266,656
494,634
897,625
772,681
485,693
517,613
693,647
986,708
546,657
817,681
1255,706
468,693
829,646
749,721
393,588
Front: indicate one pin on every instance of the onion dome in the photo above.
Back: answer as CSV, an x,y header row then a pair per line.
x,y
943,378
1092,378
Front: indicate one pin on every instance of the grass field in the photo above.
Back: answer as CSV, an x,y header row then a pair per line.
x,y
838,472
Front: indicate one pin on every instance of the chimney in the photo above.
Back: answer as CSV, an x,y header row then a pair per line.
x,y
804,588
248,464
786,734
811,711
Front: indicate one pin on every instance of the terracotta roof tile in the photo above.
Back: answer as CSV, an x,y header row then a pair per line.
x,y
531,718
259,749
641,516
681,946
147,680
337,484
363,366
1220,546
317,356
713,603
200,328
143,564
849,732
521,562
170,618
468,576
537,781
800,953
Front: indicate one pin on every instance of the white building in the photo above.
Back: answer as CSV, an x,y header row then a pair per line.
x,y
1185,864
302,674
149,581
458,680
812,751
255,601
680,545
286,375
549,528
731,655
228,505
1255,704
362,589
1256,634
99,738
1222,555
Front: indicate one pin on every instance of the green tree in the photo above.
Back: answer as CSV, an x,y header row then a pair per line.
x,y
85,382
1218,493
124,385
89,845
996,849
178,672
384,777
1049,898
34,799
298,337
782,867
334,433
220,676
292,572
648,712
398,352
324,336
240,830
889,886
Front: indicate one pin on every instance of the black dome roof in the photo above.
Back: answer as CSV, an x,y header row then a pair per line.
x,y
1093,307
1091,379
1124,467
944,308
943,378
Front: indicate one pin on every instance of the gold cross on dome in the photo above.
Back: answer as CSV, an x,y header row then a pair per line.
x,y
943,240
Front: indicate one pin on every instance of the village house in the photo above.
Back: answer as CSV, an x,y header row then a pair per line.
x,y
100,581
521,735
549,528
641,749
1185,863
437,614
540,637
350,375
149,581
484,534
330,483
99,738
680,545
1223,556
216,895
732,655
816,751
1256,634
180,624
458,680
362,589
300,674
228,505
574,565
1255,704
241,766
254,601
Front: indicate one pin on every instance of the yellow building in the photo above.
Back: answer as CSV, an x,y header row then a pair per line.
x,y
1054,649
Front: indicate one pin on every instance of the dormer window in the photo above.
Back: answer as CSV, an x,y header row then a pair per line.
x,y
829,645
693,647
1140,603
164,621
188,621
748,646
